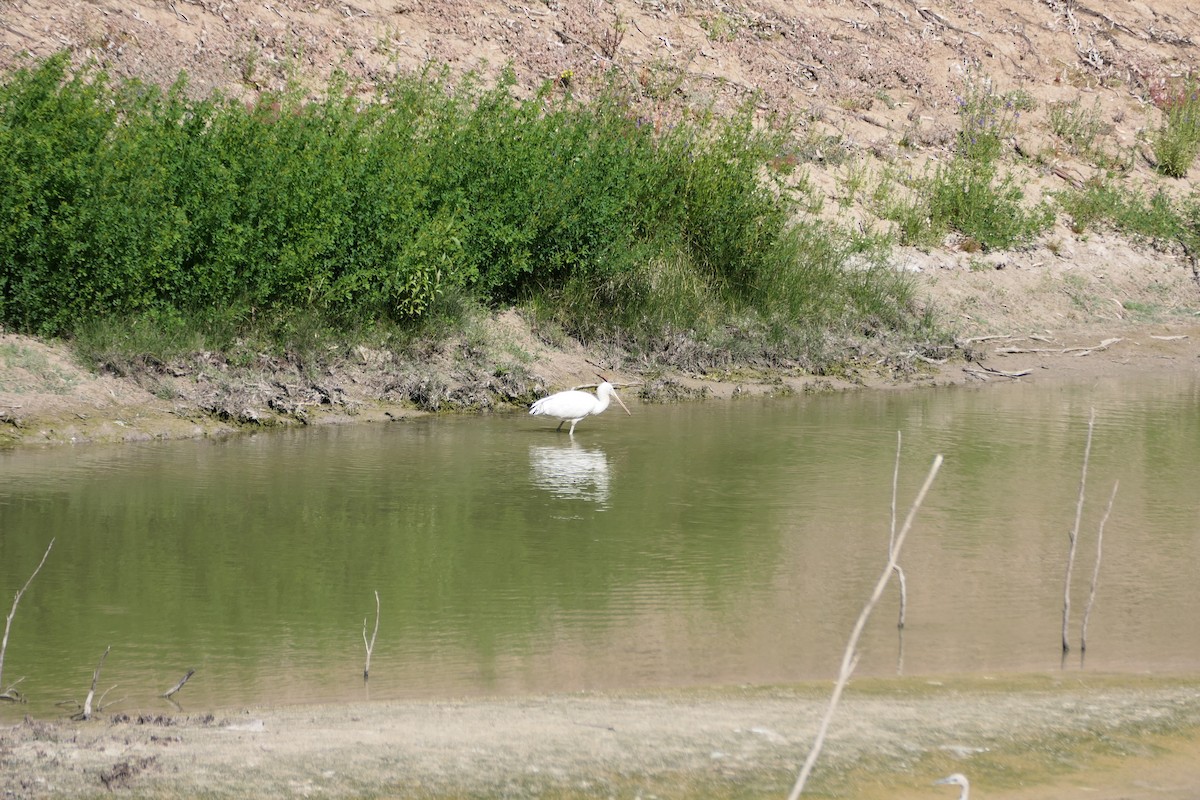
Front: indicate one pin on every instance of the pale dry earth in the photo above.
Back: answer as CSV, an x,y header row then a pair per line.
x,y
867,74
1071,738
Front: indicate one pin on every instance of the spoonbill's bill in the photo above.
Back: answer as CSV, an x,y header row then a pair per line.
x,y
957,779
574,405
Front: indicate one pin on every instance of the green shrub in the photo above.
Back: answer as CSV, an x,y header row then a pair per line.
x,y
973,200
1178,139
1103,201
289,216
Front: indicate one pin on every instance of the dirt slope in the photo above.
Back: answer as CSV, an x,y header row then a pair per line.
x,y
873,85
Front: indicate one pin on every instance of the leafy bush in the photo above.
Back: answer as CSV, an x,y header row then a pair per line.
x,y
1178,140
1156,217
126,202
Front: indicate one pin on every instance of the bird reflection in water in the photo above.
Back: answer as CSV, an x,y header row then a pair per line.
x,y
571,472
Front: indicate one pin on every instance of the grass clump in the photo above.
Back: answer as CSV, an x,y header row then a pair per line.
x,y
968,194
211,222
1077,126
1178,139
1155,217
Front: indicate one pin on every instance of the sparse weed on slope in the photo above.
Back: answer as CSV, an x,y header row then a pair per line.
x,y
1177,141
968,193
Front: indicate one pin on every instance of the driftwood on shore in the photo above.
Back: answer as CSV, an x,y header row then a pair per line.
x,y
1079,351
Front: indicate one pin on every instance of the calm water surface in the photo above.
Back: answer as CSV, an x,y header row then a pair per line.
x,y
721,542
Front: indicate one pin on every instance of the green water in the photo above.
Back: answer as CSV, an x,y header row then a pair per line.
x,y
720,542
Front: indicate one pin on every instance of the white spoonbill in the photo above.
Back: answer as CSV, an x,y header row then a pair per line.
x,y
957,779
574,405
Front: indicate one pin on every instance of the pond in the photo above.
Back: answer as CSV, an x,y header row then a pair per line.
x,y
725,542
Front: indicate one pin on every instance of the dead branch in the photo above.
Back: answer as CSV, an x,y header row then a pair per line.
x,y
973,339
167,694
1081,351
1087,612
10,693
86,713
892,537
371,644
850,658
989,372
1074,536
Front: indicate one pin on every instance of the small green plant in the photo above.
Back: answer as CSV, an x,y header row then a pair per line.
x,y
974,200
1079,127
852,182
721,27
968,193
986,119
1103,200
1178,139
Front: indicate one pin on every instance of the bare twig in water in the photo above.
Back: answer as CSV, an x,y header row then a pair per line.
x,y
86,713
1087,612
1074,536
371,644
10,693
892,538
850,657
167,694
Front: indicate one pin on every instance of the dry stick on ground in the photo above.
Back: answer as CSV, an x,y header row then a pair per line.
x,y
892,538
1087,612
1074,538
1001,373
1081,351
850,658
371,644
10,693
87,704
167,694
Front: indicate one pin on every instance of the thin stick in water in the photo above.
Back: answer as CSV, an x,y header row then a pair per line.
x,y
371,644
167,694
892,538
1087,612
850,657
10,693
87,703
1066,618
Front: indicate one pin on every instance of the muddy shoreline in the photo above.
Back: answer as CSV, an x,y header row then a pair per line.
x,y
1075,736
47,399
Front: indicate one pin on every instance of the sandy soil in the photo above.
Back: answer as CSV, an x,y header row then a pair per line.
x,y
1097,739
862,76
